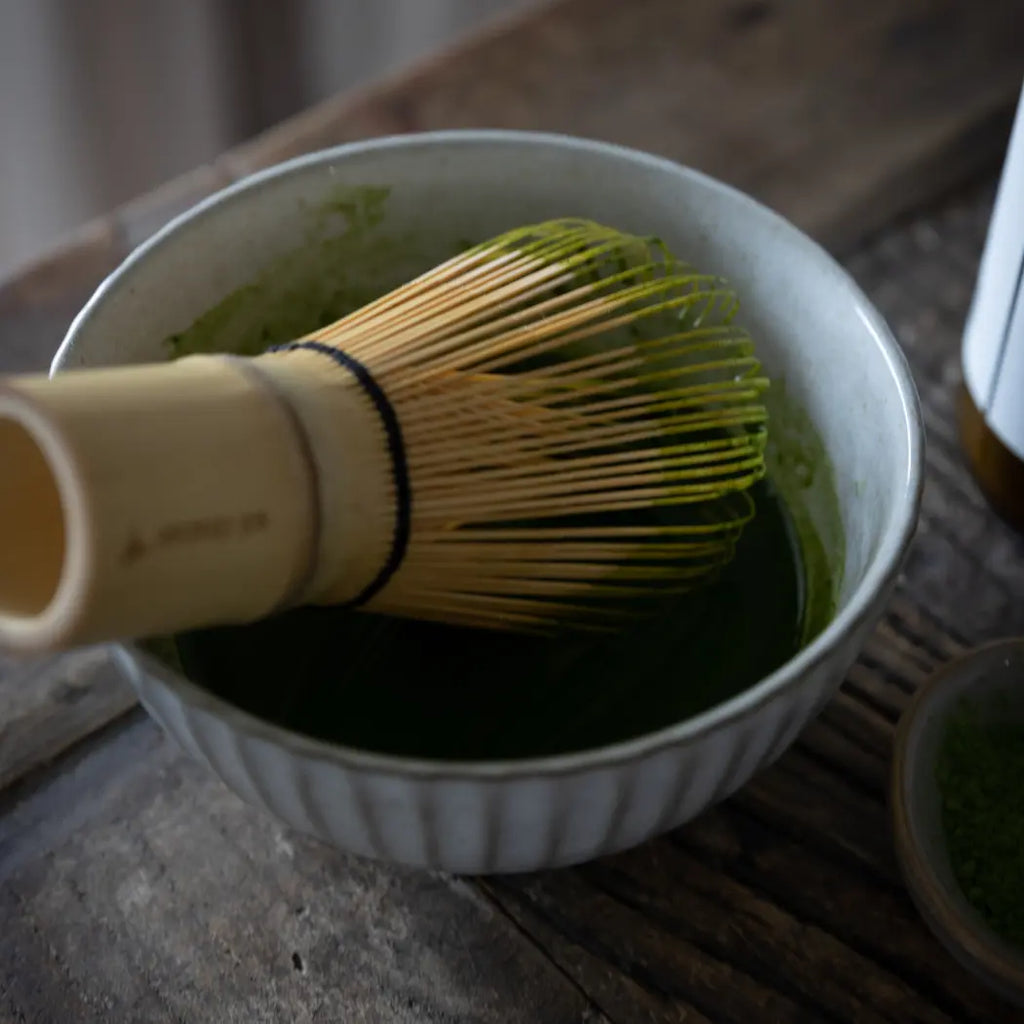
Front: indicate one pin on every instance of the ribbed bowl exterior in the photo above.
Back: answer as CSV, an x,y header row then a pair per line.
x,y
509,819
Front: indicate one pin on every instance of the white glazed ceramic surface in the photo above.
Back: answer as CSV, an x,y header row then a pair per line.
x,y
817,334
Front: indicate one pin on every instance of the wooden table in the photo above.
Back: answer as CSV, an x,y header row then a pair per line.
x,y
134,887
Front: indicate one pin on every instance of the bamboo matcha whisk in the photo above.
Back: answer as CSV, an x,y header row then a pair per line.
x,y
536,433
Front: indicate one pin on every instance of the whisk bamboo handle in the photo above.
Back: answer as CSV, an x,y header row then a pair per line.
x,y
148,499
580,421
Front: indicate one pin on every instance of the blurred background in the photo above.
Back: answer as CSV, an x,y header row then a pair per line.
x,y
101,100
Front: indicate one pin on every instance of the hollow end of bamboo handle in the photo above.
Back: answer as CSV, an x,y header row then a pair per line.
x,y
137,501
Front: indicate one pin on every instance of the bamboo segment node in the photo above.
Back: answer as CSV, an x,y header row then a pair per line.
x,y
546,431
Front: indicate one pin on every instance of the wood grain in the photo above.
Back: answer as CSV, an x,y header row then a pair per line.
x,y
838,115
153,894
732,918
965,569
86,687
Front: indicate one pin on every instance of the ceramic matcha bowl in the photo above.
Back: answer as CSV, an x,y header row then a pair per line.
x,y
258,261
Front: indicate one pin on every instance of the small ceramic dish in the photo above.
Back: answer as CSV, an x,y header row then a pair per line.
x,y
991,679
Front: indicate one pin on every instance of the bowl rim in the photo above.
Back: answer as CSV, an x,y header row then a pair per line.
x,y
948,913
860,608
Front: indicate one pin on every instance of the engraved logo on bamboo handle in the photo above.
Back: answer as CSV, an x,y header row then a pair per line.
x,y
193,531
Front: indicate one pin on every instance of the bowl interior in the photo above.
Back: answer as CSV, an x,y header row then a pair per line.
x,y
989,680
346,225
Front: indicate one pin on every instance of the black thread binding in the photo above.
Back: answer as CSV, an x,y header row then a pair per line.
x,y
399,464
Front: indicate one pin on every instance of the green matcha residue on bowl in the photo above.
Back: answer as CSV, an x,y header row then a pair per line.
x,y
332,274
800,468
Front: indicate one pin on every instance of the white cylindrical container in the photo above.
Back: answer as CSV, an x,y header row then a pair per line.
x,y
992,423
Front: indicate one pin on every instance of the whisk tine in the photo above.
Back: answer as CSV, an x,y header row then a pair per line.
x,y
561,390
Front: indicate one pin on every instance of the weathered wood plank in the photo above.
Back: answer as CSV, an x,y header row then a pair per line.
x,y
966,567
803,799
758,938
878,922
137,888
37,306
138,220
609,984
853,734
635,948
758,909
840,115
829,743
689,922
940,639
860,723
85,687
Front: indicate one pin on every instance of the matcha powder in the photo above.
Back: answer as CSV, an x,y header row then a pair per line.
x,y
980,772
